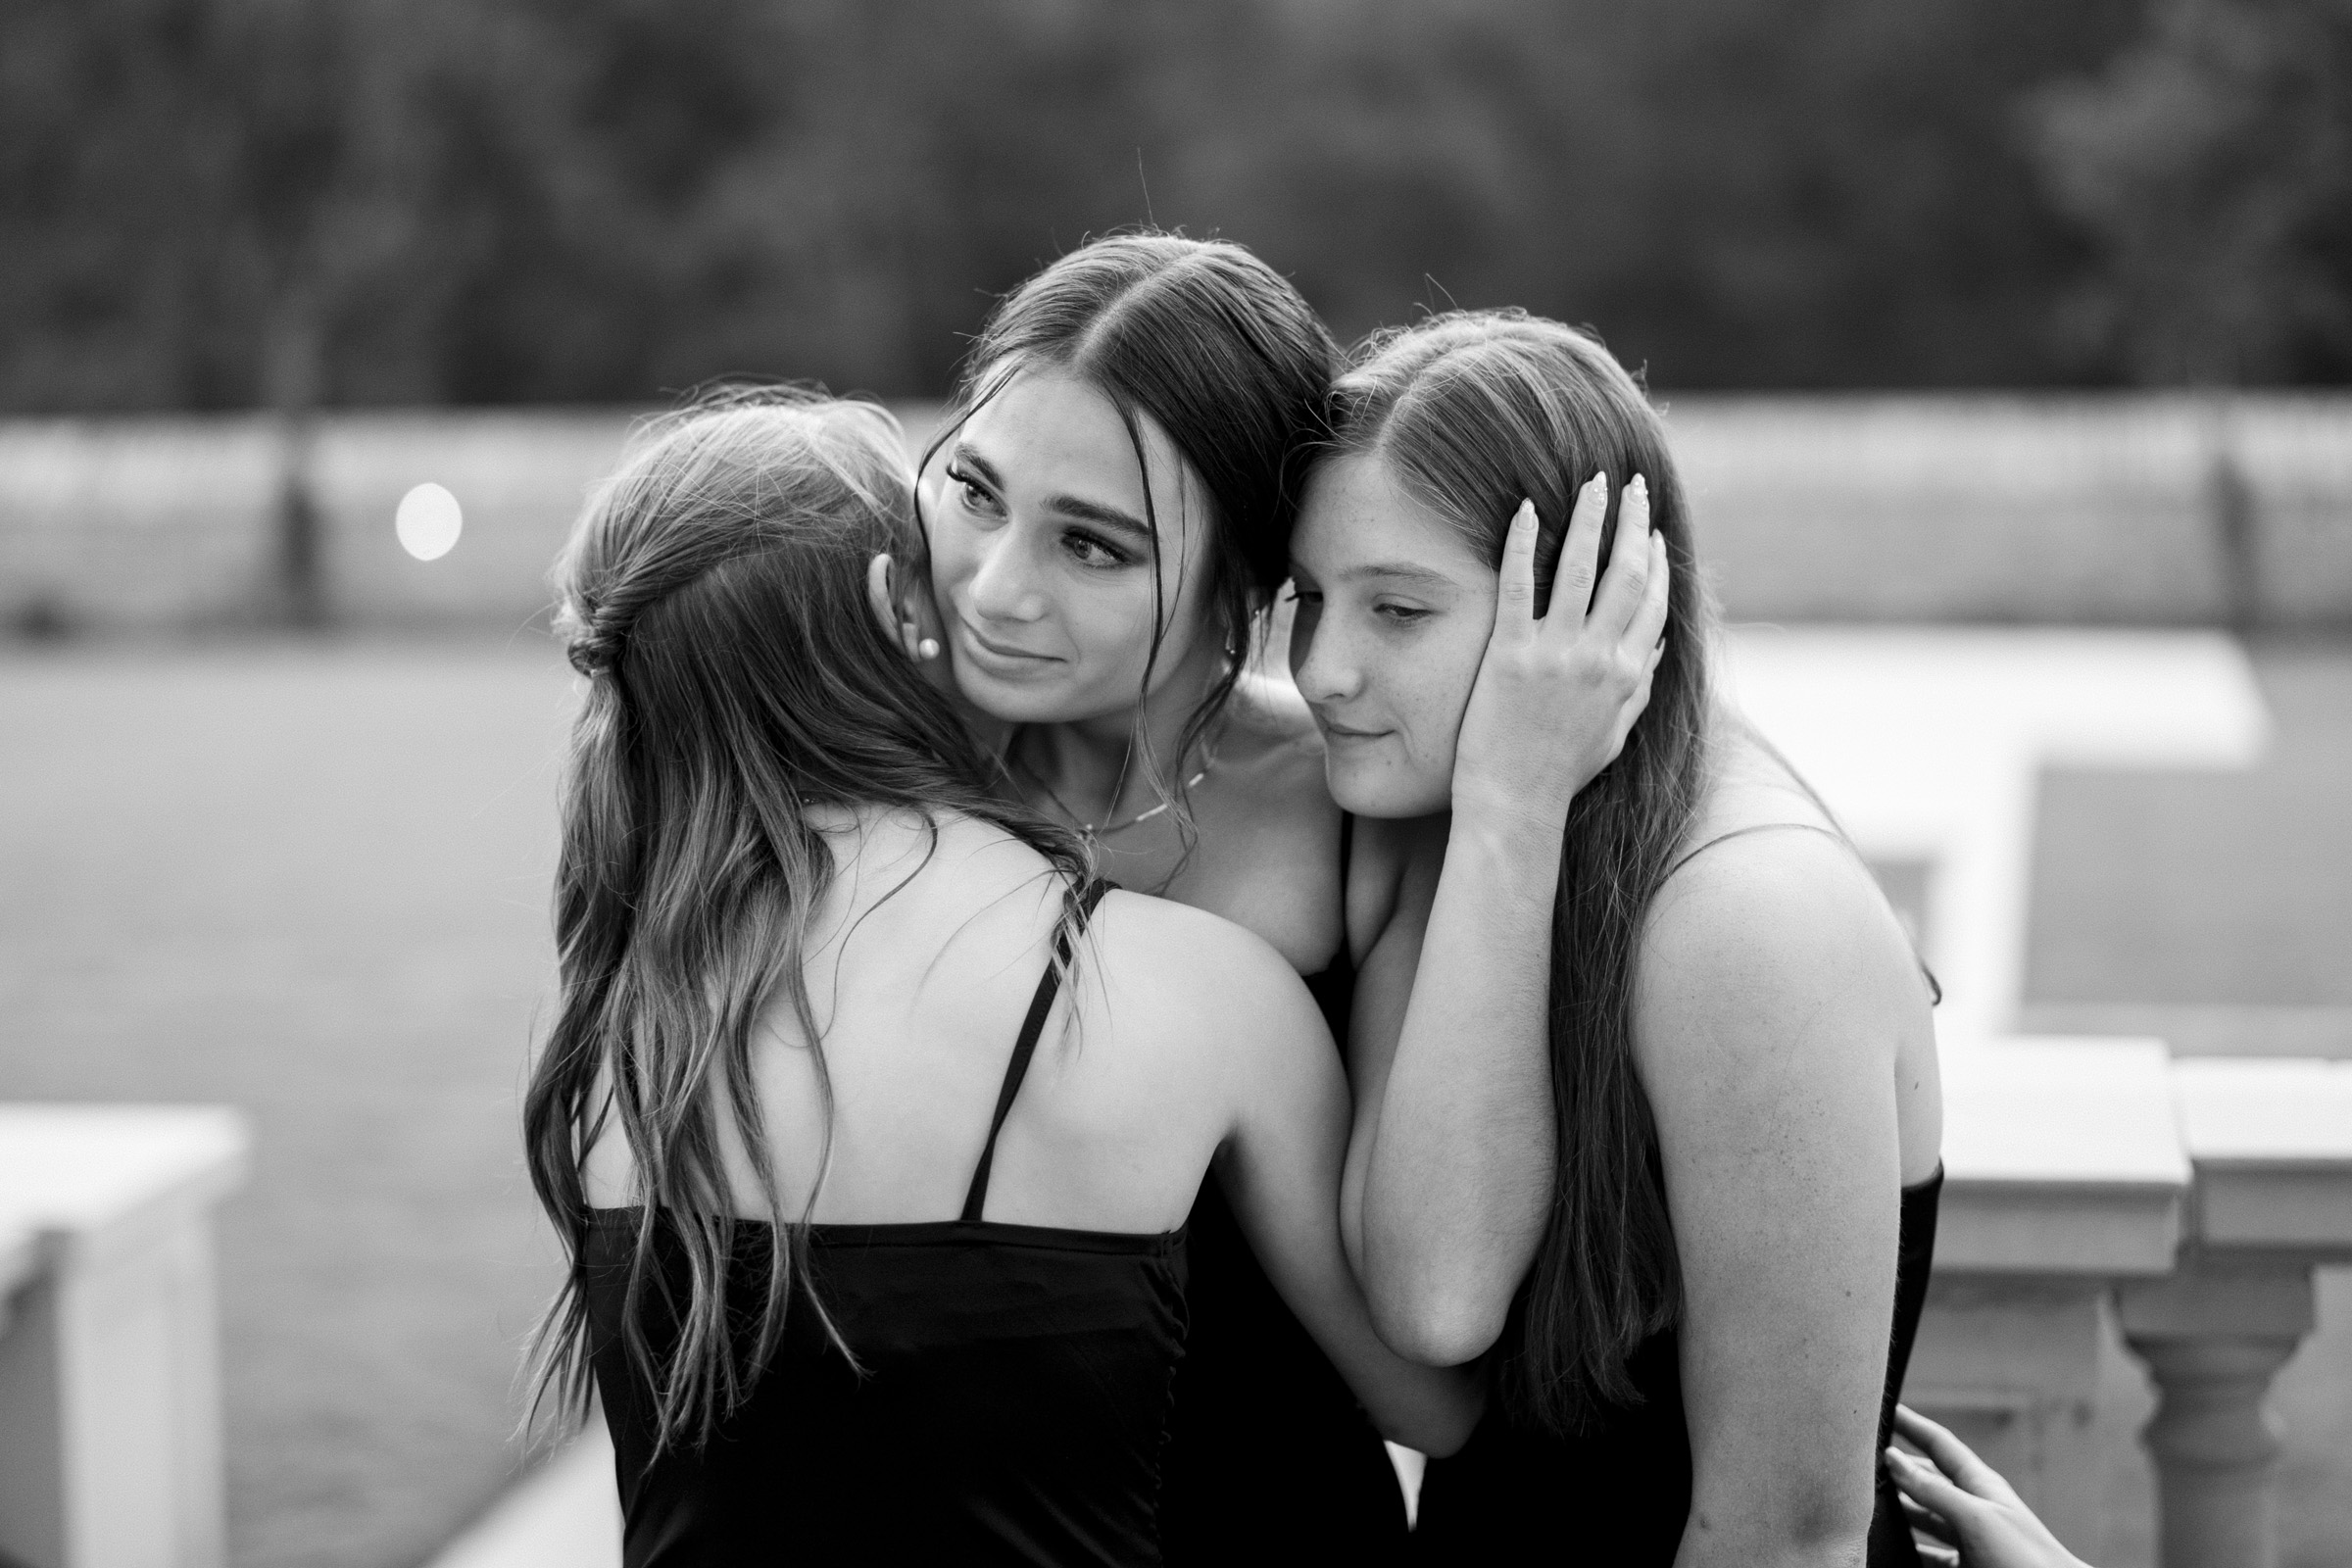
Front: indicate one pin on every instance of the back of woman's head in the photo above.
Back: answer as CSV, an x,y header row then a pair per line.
x,y
713,595
1214,346
1471,411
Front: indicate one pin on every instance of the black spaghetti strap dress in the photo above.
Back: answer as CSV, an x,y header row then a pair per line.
x,y
1010,1405
1270,1458
1619,1493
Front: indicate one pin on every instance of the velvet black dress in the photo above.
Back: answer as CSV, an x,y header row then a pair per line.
x,y
1271,1458
1011,1405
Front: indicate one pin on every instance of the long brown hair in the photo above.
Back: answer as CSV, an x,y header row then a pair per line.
x,y
1228,358
713,596
1473,411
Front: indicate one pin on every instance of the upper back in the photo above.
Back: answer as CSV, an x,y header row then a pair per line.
x,y
922,964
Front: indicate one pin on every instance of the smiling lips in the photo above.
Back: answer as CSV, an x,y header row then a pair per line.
x,y
1000,651
1341,732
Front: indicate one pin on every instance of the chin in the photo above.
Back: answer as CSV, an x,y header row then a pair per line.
x,y
1385,792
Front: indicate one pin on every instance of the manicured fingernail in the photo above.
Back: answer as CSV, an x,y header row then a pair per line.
x,y
1524,514
1639,485
1599,482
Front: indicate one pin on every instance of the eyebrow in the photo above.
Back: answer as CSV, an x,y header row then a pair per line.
x,y
1069,505
1397,571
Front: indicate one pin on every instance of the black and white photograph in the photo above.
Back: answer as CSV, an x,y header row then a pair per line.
x,y
1176,783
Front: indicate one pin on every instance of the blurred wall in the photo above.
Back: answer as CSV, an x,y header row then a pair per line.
x,y
2096,509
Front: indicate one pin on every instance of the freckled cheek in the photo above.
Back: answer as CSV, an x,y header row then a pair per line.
x,y
1442,681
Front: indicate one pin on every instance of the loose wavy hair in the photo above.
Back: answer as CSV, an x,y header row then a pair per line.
x,y
713,596
1473,411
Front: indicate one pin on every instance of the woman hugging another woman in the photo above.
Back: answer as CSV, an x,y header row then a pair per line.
x,y
871,1119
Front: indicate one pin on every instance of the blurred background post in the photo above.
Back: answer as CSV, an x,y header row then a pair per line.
x,y
2006,346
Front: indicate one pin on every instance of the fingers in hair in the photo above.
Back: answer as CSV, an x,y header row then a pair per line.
x,y
1515,608
1580,554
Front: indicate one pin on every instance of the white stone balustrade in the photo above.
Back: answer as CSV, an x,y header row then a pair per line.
x,y
110,1390
2272,1142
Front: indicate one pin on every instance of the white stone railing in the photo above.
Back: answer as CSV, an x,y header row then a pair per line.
x,y
2191,1199
110,1386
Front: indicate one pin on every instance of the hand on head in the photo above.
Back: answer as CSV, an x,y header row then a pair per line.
x,y
1962,1512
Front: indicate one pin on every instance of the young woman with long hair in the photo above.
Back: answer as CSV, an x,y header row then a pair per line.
x,y
868,1119
1684,1198
1107,511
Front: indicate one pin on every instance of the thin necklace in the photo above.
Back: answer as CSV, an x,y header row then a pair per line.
x,y
1090,831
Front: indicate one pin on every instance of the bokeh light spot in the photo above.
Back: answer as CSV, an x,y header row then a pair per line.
x,y
428,522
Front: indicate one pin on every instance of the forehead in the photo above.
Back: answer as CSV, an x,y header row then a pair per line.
x,y
1356,516
1050,432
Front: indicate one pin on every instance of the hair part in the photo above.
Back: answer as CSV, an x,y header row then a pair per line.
x,y
1473,411
1219,351
713,594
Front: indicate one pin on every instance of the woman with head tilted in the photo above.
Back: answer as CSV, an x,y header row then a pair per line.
x,y
1689,1213
1108,511
869,1123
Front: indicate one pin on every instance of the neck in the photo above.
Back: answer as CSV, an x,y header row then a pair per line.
x,y
1082,761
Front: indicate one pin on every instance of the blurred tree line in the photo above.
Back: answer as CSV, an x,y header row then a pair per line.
x,y
224,203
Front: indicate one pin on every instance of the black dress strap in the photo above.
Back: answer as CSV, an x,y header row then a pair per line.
x,y
1759,827
1042,1004
1934,986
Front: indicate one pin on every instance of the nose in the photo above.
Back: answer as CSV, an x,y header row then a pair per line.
x,y
1322,666
1004,585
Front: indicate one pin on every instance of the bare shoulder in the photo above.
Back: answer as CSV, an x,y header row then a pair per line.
x,y
1772,932
1198,973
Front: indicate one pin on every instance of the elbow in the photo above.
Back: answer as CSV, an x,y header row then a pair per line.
x,y
1440,1433
1437,1327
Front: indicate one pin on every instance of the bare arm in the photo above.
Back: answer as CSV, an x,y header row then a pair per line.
x,y
1281,1169
1773,990
1456,1150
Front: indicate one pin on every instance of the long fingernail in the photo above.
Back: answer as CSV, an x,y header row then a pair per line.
x,y
1525,514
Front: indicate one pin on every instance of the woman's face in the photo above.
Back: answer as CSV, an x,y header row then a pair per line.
x,y
1041,558
1394,615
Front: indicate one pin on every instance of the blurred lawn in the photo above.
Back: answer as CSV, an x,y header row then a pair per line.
x,y
309,879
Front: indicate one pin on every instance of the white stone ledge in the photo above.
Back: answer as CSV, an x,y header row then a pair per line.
x,y
92,1182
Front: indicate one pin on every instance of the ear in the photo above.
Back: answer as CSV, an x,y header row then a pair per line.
x,y
906,614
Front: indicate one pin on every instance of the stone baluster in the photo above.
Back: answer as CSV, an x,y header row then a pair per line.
x,y
2213,1337
2270,1142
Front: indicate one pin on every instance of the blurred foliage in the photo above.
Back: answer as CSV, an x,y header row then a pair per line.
x,y
2213,159
213,203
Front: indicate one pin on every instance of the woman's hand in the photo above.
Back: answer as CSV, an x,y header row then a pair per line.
x,y
1972,1516
1556,697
